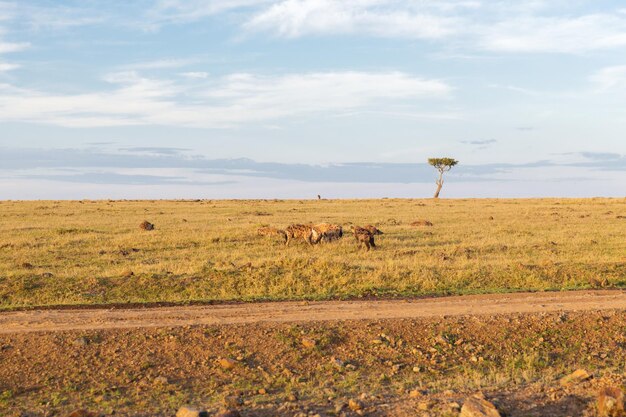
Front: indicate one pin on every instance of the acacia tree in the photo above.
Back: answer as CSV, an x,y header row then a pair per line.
x,y
442,165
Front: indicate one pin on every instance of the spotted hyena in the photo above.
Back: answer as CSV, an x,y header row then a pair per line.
x,y
373,230
326,232
269,231
297,231
364,236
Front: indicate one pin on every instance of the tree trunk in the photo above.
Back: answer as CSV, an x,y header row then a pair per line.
x,y
439,183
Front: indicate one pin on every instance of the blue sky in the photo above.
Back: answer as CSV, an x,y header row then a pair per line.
x,y
281,99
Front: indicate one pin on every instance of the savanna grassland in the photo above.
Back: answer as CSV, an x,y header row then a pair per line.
x,y
93,252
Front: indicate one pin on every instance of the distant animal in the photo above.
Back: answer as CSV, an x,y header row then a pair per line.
x,y
319,197
299,231
364,237
373,230
269,231
326,232
146,225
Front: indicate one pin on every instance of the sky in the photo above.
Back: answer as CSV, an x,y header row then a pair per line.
x,y
295,98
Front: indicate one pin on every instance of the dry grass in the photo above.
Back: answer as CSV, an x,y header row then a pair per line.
x,y
70,252
119,370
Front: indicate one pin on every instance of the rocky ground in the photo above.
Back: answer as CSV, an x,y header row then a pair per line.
x,y
395,367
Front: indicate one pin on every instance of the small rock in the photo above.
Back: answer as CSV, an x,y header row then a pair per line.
x,y
337,362
160,380
232,401
478,407
191,412
611,402
441,340
81,341
227,363
454,406
424,405
355,405
339,407
308,342
575,377
288,406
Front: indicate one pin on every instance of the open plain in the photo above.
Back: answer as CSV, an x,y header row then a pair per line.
x,y
497,297
95,253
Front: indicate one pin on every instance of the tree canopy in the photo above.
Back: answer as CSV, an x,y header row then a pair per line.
x,y
443,164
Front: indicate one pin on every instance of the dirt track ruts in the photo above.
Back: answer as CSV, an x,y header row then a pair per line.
x,y
298,311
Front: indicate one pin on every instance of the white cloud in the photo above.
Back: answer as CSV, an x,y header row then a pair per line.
x,y
7,12
218,103
7,67
510,26
39,18
181,11
9,47
50,16
195,74
294,18
610,77
507,26
6,47
555,34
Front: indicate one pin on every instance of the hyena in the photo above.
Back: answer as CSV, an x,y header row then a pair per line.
x,y
364,236
295,231
326,232
269,231
373,230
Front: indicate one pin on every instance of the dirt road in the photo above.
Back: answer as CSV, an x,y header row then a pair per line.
x,y
83,319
